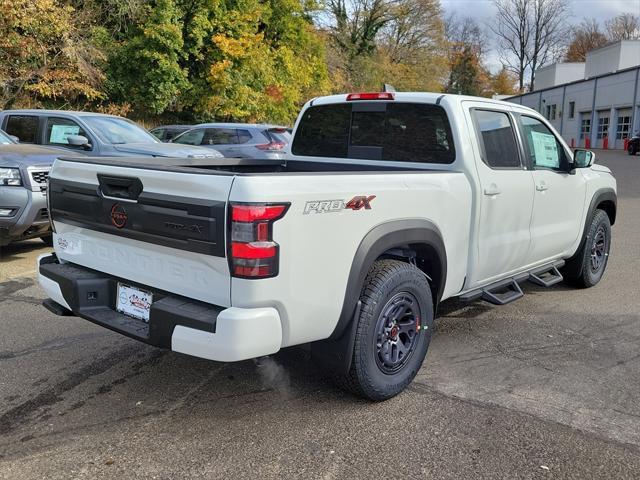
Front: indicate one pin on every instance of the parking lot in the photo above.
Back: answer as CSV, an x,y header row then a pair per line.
x,y
544,387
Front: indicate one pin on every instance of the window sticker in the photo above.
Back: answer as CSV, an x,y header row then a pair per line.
x,y
59,133
545,149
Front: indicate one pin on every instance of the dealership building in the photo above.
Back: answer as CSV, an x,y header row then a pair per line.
x,y
595,104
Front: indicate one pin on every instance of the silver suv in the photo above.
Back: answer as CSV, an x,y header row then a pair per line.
x,y
239,140
93,134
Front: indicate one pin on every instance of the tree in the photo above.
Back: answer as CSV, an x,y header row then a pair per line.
x,y
356,23
466,44
465,78
147,72
465,32
503,83
44,57
531,33
513,29
584,38
386,41
625,26
265,62
548,31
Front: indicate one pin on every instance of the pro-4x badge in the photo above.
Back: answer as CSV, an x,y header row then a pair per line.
x,y
358,202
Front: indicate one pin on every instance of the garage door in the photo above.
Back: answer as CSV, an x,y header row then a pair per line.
x,y
602,128
623,126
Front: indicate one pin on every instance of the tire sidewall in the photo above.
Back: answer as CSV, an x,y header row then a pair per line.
x,y
591,278
374,381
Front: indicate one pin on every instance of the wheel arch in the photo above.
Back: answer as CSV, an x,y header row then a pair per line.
x,y
420,236
416,240
603,199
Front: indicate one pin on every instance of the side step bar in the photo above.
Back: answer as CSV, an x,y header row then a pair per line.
x,y
546,277
502,293
508,290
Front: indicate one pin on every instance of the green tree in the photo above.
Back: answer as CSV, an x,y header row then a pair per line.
x,y
146,71
465,78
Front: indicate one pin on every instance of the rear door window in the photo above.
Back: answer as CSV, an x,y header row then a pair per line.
x,y
58,129
25,127
220,136
404,132
497,139
244,136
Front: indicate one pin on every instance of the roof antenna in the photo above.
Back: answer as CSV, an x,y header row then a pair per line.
x,y
388,88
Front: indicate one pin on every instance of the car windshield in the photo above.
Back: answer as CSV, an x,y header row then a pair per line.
x,y
5,139
116,130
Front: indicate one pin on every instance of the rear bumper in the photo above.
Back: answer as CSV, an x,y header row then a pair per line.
x,y
177,323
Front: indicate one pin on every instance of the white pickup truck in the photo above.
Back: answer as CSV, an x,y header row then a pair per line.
x,y
387,204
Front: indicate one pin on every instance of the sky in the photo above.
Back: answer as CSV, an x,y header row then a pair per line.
x,y
483,12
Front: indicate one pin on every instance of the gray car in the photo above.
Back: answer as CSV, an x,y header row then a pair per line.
x,y
23,190
239,140
93,134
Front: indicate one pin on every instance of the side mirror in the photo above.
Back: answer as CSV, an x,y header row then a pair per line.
x,y
582,158
14,138
79,141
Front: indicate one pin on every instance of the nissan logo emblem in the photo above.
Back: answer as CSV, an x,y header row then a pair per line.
x,y
118,216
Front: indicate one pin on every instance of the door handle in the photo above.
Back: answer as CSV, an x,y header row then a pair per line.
x,y
541,187
492,190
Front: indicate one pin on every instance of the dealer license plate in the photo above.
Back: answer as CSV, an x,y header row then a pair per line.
x,y
134,302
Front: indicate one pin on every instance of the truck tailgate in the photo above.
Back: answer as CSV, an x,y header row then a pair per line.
x,y
156,228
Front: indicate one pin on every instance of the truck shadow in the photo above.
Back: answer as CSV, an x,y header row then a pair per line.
x,y
19,249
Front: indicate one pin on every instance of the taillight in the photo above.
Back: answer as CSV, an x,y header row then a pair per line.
x,y
370,96
271,146
253,253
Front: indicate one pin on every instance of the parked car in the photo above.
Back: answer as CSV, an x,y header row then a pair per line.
x,y
166,133
94,134
239,140
388,204
633,146
23,184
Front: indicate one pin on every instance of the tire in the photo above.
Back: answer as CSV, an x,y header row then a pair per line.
x,y
388,353
631,149
48,240
594,254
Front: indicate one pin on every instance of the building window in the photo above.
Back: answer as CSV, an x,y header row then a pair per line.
x,y
585,128
572,109
622,130
551,112
603,127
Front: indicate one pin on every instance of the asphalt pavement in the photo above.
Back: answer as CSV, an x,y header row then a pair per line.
x,y
545,387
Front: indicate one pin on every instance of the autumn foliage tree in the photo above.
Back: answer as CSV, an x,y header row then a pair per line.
x,y
585,37
44,57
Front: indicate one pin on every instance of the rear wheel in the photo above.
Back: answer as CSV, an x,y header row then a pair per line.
x,y
393,330
594,254
631,149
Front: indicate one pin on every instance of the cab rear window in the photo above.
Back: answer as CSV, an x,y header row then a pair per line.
x,y
394,131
